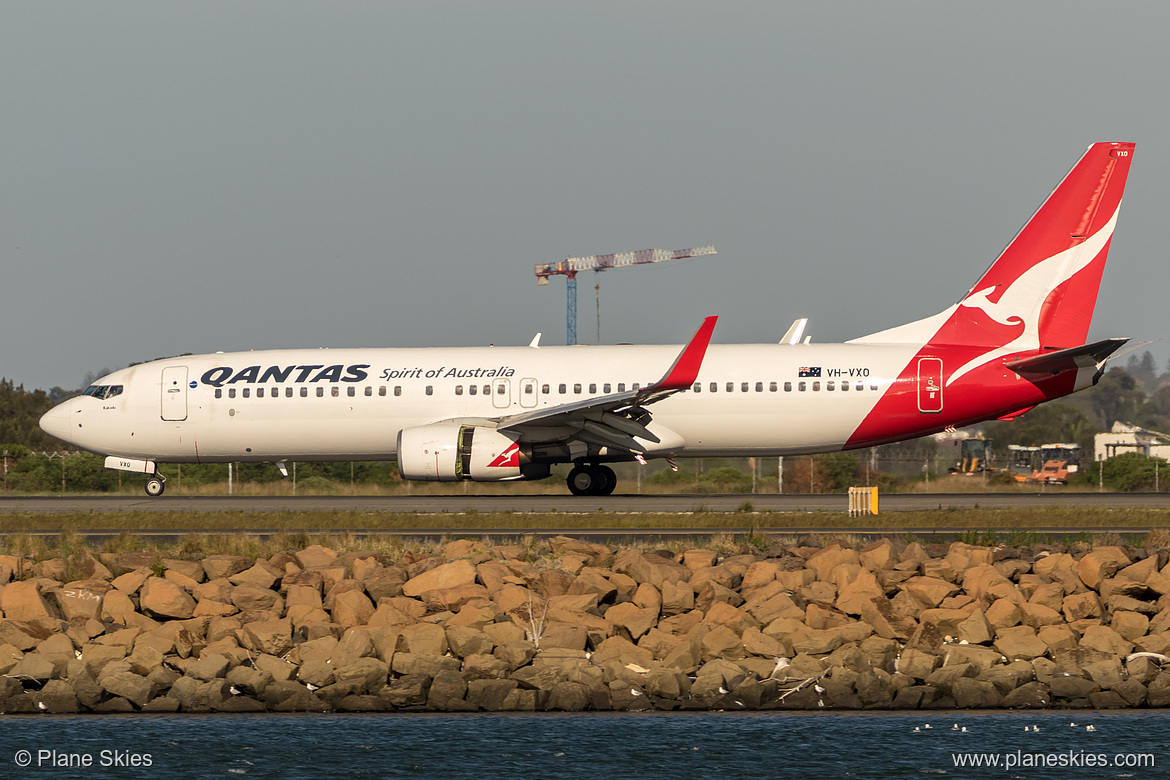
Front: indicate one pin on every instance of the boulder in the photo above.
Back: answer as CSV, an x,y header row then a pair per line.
x,y
160,598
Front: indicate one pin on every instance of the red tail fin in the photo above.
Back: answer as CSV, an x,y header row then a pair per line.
x,y
1041,290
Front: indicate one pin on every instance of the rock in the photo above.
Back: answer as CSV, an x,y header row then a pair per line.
x,y
270,637
489,695
163,599
970,693
131,687
1101,564
315,557
23,601
1033,695
448,575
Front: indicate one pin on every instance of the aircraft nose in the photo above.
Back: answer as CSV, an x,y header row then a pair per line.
x,y
58,422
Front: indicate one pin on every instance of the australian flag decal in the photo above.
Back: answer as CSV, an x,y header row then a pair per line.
x,y
813,371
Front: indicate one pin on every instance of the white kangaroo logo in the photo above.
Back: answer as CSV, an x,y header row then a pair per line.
x,y
1020,303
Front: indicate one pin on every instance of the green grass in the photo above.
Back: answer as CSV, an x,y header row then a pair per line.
x,y
1013,526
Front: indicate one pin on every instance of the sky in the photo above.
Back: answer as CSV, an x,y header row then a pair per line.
x,y
194,177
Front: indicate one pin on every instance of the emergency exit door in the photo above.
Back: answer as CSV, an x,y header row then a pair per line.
x,y
174,393
930,388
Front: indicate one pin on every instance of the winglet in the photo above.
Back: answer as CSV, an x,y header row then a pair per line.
x,y
685,368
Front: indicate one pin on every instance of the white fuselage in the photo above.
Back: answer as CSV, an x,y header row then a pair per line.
x,y
345,404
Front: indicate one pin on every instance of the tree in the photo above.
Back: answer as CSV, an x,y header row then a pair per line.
x,y
1050,422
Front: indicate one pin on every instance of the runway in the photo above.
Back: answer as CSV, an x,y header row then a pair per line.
x,y
676,503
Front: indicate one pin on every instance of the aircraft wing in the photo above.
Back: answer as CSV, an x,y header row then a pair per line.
x,y
618,419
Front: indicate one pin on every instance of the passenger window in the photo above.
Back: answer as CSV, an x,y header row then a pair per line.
x,y
759,387
259,392
529,388
544,389
500,389
621,387
430,389
605,388
743,387
472,389
320,392
562,388
844,385
731,387
351,391
231,392
247,392
382,390
788,387
592,387
397,390
816,386
335,391
829,386
218,392
369,390
873,387
698,387
859,387
772,387
458,389
714,387
801,386
487,389
288,392
577,388
304,392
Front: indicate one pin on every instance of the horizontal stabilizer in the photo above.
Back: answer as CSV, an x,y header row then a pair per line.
x,y
1073,359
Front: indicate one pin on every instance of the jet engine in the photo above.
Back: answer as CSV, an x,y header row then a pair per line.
x,y
448,452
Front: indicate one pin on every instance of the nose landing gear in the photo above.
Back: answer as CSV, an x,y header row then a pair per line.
x,y
594,480
155,485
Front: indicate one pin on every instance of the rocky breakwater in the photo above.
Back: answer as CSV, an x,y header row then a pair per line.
x,y
588,627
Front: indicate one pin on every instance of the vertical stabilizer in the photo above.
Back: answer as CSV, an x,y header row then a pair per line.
x,y
1041,291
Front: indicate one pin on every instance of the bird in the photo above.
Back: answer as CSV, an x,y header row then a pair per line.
x,y
963,730
234,691
1090,727
1035,727
916,729
1072,725
818,689
41,706
928,726
955,727
722,690
311,687
635,692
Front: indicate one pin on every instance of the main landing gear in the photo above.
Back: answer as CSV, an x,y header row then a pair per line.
x,y
592,480
155,485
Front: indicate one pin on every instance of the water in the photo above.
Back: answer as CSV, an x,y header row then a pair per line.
x,y
599,745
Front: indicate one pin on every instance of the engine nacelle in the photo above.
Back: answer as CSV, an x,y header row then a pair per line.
x,y
447,452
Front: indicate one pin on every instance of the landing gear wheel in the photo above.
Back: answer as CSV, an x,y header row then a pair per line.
x,y
608,480
155,486
583,481
592,481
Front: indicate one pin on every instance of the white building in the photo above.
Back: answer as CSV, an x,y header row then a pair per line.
x,y
1130,438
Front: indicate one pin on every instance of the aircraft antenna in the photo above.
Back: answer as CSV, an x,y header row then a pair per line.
x,y
570,266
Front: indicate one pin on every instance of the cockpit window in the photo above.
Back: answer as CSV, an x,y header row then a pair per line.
x,y
103,391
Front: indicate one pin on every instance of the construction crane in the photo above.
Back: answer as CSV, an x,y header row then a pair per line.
x,y
570,266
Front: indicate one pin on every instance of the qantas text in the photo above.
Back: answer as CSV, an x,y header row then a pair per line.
x,y
225,375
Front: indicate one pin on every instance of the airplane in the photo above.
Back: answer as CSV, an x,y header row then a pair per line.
x,y
1014,340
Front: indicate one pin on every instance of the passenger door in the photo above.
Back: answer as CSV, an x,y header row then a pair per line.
x,y
174,393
